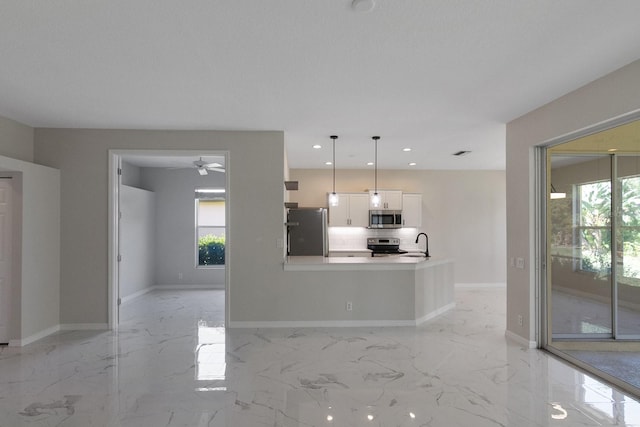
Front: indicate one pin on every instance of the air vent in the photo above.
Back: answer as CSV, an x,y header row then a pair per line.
x,y
461,153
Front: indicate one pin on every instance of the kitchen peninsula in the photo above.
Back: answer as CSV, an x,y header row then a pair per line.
x,y
377,291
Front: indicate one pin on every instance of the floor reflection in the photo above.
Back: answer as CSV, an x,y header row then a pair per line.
x,y
173,364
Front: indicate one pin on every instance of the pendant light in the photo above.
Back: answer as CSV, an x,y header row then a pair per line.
x,y
375,197
333,197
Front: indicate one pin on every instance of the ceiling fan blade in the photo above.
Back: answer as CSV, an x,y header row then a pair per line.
x,y
216,169
203,171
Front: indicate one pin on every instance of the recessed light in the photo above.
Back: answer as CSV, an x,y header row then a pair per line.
x,y
369,163
412,164
328,163
406,149
611,150
317,146
363,6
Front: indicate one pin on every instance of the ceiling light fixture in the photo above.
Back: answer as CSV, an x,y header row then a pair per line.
x,y
406,149
375,197
317,146
333,197
556,195
412,164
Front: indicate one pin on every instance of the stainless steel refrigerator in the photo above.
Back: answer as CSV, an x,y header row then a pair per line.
x,y
307,232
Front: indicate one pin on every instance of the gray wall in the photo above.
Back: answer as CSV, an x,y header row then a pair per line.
x,y
255,196
16,140
37,248
175,226
137,240
463,212
610,96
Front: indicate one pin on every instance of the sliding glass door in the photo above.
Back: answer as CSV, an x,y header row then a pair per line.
x,y
579,220
593,236
627,270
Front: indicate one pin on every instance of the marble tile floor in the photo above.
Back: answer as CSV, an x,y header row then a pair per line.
x,y
173,364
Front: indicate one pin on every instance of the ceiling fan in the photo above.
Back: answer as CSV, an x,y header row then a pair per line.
x,y
204,167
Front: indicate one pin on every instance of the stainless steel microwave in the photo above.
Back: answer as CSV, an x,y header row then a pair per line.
x,y
385,219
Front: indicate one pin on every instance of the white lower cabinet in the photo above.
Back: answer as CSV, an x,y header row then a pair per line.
x,y
411,210
352,210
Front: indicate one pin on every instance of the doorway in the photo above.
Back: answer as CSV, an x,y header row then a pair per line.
x,y
155,190
591,251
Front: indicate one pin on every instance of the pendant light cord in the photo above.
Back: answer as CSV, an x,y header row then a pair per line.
x,y
334,137
376,138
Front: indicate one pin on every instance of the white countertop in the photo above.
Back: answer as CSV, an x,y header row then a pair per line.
x,y
368,263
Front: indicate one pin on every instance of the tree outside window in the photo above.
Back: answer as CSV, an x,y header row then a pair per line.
x,y
210,227
593,230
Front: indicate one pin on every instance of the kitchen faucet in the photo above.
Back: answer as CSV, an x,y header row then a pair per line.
x,y
426,252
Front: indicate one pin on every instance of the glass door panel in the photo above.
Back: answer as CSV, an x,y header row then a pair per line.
x,y
628,247
579,230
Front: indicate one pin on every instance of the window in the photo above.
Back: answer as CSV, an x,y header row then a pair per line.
x,y
630,229
594,228
210,227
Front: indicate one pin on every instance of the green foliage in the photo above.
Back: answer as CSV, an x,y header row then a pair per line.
x,y
211,250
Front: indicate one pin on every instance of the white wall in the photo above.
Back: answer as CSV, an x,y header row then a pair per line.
x,y
464,213
37,249
610,96
175,227
137,240
256,169
131,175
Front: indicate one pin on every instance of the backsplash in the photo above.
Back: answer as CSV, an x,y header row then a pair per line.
x,y
356,237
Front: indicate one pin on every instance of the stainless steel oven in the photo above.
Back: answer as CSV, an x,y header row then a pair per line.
x,y
385,219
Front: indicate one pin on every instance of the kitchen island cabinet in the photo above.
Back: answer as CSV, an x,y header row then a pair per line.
x,y
383,291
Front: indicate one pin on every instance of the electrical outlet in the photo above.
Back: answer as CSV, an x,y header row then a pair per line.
x,y
349,306
520,263
520,320
179,276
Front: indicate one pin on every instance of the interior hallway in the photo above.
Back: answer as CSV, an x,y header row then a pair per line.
x,y
171,364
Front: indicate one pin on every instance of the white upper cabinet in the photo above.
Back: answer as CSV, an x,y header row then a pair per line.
x,y
389,200
411,210
352,210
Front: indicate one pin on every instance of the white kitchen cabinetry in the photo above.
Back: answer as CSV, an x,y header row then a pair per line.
x,y
352,210
411,210
389,200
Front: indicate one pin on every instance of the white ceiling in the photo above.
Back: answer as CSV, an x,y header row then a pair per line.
x,y
438,76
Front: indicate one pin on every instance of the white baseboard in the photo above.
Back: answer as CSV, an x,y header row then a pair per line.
x,y
135,295
435,313
320,324
520,340
481,285
34,337
338,323
84,327
185,287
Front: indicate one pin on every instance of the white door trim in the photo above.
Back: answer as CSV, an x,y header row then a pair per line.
x,y
7,284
